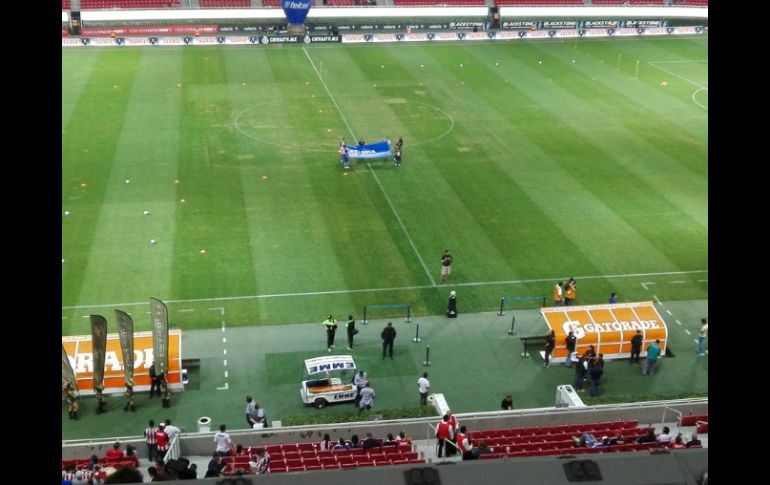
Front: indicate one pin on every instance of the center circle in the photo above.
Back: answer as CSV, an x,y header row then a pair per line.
x,y
257,123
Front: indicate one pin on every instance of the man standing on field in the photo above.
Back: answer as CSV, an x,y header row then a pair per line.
x,y
446,266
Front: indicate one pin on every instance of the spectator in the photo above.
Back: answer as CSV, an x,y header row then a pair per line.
x,y
259,418
69,473
636,347
653,351
161,442
215,466
423,387
367,398
550,344
149,439
570,342
401,437
678,443
239,450
371,442
153,473
223,441
694,441
341,445
482,449
130,451
99,476
665,436
326,443
115,452
355,442
648,438
452,450
464,444
389,440
125,474
94,461
388,336
81,478
261,462
613,298
595,375
443,433
507,403
171,430
360,381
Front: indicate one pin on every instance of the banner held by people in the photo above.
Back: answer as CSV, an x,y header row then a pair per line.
x,y
126,335
380,149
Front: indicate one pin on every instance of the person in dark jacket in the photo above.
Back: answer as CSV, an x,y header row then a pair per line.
x,y
570,342
550,343
636,348
388,336
595,374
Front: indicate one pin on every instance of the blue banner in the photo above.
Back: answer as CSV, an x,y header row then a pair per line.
x,y
381,149
295,10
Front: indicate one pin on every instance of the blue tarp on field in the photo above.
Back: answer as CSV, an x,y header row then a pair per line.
x,y
381,149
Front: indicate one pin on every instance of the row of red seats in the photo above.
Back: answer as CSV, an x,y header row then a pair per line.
x,y
65,4
539,2
693,419
631,2
628,434
132,461
94,4
557,429
337,466
439,2
225,3
694,3
284,448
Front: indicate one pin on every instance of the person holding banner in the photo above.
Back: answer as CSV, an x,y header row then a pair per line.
x,y
397,158
154,382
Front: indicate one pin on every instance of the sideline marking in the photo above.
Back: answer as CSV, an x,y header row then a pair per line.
x,y
644,285
401,288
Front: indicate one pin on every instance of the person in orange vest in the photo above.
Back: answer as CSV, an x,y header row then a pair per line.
x,y
443,433
464,444
558,300
571,289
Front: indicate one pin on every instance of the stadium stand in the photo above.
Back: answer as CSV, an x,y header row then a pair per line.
x,y
144,4
629,2
539,2
438,2
691,3
225,3
80,463
66,4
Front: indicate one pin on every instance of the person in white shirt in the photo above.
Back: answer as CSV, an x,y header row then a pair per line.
x,y
223,441
665,436
260,462
360,381
171,431
367,397
423,385
704,331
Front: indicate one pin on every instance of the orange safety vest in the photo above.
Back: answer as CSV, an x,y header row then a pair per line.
x,y
571,292
557,293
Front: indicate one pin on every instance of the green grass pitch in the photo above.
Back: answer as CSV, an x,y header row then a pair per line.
x,y
529,172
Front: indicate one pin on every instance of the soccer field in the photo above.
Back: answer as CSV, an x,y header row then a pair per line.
x,y
531,161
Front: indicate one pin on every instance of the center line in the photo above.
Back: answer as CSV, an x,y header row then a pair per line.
x,y
377,179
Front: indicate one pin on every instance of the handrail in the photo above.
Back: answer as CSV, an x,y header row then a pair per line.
x,y
679,421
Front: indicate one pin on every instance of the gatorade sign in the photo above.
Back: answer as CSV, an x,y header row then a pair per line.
x,y
608,328
81,359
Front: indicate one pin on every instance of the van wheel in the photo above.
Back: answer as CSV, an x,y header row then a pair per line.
x,y
320,403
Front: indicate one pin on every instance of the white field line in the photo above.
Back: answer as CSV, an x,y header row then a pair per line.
x,y
644,285
377,179
658,300
698,85
398,288
687,332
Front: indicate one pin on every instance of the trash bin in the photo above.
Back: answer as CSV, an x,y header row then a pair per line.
x,y
204,424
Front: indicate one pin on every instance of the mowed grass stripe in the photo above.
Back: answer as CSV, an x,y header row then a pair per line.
x,y
643,141
77,67
212,218
88,151
651,104
626,162
145,155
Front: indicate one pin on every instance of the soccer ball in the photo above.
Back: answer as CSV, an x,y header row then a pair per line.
x,y
539,62
461,65
66,213
128,181
147,213
153,241
664,83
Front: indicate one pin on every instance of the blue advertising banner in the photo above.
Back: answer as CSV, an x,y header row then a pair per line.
x,y
381,149
295,10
